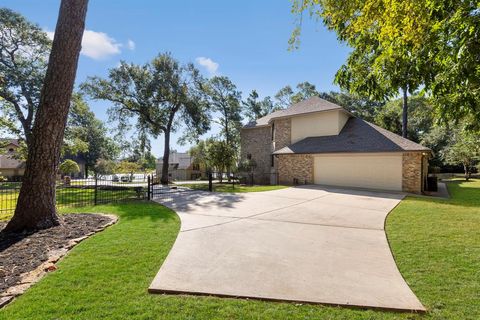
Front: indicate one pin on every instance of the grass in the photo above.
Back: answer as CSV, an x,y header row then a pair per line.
x,y
435,243
229,187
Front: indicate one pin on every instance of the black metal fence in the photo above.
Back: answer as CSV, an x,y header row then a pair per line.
x,y
80,192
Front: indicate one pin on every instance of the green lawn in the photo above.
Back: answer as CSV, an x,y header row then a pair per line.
x,y
228,187
435,242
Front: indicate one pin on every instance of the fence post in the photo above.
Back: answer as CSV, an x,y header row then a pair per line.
x,y
210,184
95,192
148,188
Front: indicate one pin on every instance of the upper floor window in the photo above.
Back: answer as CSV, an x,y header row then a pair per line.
x,y
249,156
273,131
11,150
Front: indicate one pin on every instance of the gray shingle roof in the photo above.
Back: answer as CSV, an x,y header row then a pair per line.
x,y
313,104
356,136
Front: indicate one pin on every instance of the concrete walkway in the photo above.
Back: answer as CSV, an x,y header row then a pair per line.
x,y
307,244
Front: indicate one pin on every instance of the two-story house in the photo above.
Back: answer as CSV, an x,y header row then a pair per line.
x,y
319,142
181,167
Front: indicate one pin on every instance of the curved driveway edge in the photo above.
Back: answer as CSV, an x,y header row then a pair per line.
x,y
305,244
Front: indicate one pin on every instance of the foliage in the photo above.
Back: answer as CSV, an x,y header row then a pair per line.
x,y
255,108
406,44
465,150
105,167
158,95
128,167
69,167
224,98
286,96
24,50
359,106
420,117
198,153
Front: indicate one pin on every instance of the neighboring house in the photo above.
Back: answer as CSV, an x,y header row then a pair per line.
x,y
10,166
181,167
13,169
318,142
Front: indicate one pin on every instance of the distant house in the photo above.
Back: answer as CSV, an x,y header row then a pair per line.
x,y
10,166
13,169
181,167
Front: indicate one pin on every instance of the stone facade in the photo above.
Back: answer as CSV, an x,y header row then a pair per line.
x,y
295,168
282,133
257,143
412,179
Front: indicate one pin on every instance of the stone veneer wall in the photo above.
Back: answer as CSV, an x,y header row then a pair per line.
x,y
258,143
295,166
283,133
412,172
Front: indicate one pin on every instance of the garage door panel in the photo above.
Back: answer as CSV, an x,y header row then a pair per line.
x,y
363,171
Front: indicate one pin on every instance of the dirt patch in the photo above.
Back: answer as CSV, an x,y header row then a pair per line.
x,y
26,257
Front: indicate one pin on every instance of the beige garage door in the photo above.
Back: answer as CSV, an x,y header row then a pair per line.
x,y
363,171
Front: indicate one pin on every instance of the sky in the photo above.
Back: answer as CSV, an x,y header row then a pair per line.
x,y
244,40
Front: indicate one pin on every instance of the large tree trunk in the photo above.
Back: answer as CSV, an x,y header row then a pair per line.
x,y
166,156
405,113
36,201
466,168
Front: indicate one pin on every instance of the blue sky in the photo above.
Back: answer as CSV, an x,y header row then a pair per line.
x,y
244,40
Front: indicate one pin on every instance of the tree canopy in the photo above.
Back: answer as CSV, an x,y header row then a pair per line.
x,y
24,50
159,96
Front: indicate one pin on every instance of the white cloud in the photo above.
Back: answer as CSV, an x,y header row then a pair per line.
x,y
97,45
130,44
208,64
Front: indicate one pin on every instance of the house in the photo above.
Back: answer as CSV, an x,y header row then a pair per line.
x,y
319,142
181,167
10,166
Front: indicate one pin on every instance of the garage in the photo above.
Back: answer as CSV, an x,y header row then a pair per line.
x,y
374,171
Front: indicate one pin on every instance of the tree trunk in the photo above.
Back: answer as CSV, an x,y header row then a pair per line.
x,y
405,112
36,201
467,172
166,156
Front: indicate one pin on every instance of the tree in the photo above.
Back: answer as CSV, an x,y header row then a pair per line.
x,y
86,136
24,50
220,156
431,43
255,108
156,95
69,167
382,62
128,167
286,96
420,114
359,106
36,201
104,167
224,98
465,150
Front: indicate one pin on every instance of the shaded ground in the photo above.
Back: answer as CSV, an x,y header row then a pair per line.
x,y
21,253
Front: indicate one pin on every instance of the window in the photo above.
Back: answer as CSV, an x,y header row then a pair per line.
x,y
11,150
273,131
249,156
196,166
272,160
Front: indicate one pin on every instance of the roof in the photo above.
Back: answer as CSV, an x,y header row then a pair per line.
x,y
182,160
356,136
313,104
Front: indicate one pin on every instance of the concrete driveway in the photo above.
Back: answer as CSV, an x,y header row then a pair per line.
x,y
307,244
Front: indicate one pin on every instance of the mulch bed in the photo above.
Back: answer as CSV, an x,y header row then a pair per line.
x,y
25,258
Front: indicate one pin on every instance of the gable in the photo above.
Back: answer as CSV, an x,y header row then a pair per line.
x,y
317,124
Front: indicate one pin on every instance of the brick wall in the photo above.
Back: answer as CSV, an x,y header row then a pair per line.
x,y
412,172
258,143
295,166
283,133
